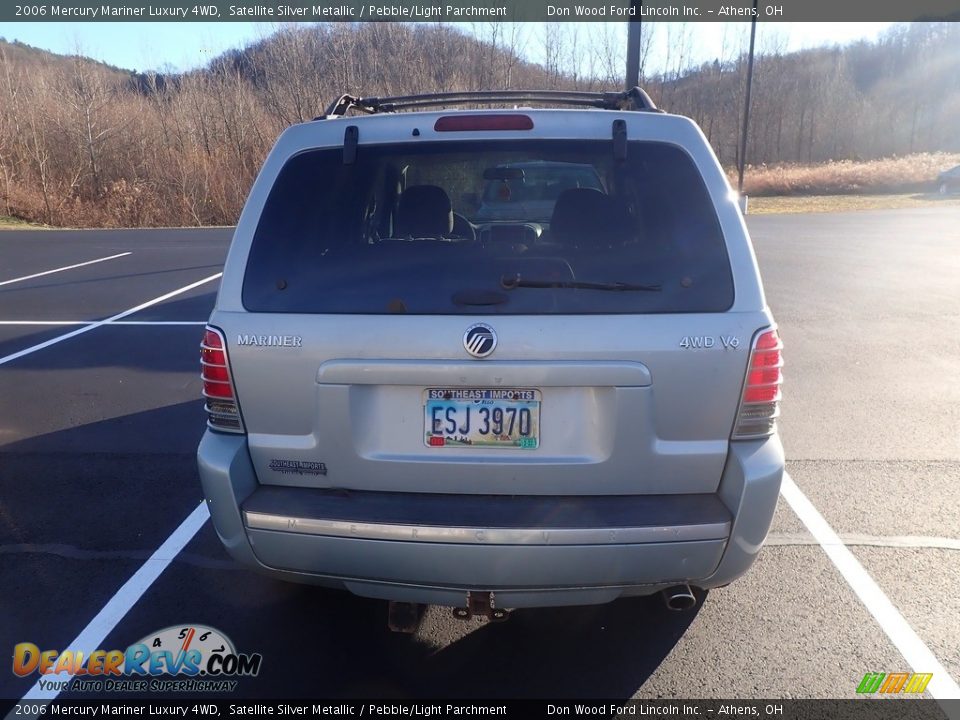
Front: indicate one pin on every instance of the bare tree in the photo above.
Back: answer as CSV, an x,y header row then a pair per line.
x,y
86,99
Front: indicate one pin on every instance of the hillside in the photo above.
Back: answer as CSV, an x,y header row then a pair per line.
x,y
82,143
897,96
27,57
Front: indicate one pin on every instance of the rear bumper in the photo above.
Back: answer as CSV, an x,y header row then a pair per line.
x,y
531,552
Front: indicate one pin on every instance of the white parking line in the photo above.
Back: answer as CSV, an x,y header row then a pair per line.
x,y
914,650
904,542
93,322
125,598
107,321
61,269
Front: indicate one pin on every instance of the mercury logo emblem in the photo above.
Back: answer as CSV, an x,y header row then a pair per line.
x,y
480,340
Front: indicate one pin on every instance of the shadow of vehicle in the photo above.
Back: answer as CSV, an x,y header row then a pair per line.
x,y
317,642
111,492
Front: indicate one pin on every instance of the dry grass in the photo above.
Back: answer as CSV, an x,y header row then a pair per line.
x,y
12,223
895,175
847,203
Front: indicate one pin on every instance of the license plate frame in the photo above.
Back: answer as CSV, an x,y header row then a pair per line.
x,y
511,411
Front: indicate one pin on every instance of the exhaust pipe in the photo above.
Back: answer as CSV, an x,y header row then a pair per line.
x,y
679,598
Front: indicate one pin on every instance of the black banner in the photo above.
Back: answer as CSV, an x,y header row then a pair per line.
x,y
860,709
480,10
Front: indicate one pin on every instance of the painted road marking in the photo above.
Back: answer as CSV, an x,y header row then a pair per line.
x,y
896,542
914,650
91,637
93,322
61,269
110,320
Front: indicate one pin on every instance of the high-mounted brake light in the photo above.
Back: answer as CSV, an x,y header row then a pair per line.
x,y
466,123
223,412
760,402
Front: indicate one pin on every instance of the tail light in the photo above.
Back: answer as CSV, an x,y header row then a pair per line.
x,y
223,411
760,402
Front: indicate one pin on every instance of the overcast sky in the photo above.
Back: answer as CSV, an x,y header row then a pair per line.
x,y
182,46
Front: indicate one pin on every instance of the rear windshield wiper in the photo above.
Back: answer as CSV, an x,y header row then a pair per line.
x,y
511,282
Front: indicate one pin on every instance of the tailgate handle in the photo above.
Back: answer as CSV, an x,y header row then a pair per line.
x,y
507,373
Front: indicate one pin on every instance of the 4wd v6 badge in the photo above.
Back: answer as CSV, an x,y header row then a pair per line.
x,y
694,342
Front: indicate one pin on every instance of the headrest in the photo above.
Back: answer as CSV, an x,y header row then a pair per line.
x,y
584,216
424,211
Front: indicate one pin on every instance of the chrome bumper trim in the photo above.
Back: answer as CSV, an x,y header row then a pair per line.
x,y
487,536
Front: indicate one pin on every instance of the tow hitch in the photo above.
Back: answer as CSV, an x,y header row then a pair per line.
x,y
481,603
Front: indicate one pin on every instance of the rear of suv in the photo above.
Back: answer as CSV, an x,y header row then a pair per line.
x,y
413,400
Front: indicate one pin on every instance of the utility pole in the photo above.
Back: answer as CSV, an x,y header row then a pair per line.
x,y
746,102
633,46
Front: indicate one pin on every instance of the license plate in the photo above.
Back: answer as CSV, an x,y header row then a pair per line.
x,y
481,417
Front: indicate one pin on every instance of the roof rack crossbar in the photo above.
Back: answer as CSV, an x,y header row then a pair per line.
x,y
435,102
634,99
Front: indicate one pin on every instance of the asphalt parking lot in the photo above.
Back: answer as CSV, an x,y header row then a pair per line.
x,y
98,432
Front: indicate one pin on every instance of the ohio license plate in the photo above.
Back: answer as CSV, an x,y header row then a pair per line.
x,y
481,417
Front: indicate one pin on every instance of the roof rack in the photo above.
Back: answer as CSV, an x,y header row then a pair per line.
x,y
633,99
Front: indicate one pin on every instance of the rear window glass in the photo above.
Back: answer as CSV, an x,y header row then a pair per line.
x,y
533,182
519,227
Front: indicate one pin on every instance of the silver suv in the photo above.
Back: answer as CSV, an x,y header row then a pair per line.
x,y
413,403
